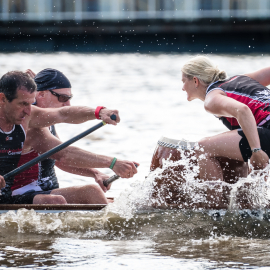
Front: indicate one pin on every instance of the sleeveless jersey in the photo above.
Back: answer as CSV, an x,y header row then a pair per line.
x,y
11,144
28,176
248,91
40,177
47,179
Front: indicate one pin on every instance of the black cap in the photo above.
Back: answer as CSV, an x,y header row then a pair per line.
x,y
50,79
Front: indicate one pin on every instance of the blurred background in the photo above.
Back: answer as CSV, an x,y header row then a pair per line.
x,y
208,26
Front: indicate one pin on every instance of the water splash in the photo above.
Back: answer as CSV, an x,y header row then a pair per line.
x,y
132,215
178,184
253,191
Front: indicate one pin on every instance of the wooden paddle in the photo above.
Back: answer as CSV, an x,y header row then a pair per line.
x,y
55,150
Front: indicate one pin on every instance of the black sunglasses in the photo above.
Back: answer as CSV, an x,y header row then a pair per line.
x,y
61,97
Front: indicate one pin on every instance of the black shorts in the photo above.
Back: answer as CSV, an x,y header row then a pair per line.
x,y
28,197
264,135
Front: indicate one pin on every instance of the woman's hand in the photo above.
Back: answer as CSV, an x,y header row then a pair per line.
x,y
259,160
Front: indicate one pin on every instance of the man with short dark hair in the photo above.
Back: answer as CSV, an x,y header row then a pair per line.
x,y
17,115
39,184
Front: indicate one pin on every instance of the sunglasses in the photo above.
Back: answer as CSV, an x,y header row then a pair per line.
x,y
61,97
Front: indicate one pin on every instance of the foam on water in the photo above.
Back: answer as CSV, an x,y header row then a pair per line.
x,y
256,187
132,215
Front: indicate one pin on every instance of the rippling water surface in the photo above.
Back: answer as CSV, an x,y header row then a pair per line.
x,y
129,234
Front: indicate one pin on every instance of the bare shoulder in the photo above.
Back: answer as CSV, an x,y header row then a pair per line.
x,y
214,94
215,102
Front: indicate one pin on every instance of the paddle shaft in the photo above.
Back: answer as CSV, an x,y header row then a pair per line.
x,y
112,179
54,150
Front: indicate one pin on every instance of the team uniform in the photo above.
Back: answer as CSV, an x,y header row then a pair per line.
x,y
257,97
39,179
11,144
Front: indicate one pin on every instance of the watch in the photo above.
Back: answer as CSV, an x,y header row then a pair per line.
x,y
255,150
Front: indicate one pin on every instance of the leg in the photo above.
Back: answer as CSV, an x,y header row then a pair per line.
x,y
222,145
172,190
233,169
89,194
49,199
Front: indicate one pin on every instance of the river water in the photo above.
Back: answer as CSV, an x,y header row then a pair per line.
x,y
129,234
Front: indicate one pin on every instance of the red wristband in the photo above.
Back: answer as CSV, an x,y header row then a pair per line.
x,y
98,110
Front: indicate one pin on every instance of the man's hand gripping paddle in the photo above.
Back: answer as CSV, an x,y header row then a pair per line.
x,y
113,178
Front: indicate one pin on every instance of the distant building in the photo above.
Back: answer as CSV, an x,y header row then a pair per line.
x,y
135,25
117,10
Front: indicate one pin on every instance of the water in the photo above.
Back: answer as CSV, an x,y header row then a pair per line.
x,y
129,234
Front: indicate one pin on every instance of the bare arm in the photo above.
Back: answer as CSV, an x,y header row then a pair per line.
x,y
219,104
41,117
42,140
262,76
89,172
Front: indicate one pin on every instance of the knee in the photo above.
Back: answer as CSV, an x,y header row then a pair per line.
x,y
92,194
49,199
204,142
200,148
204,146
95,189
57,199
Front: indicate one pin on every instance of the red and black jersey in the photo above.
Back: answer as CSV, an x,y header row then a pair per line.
x,y
248,91
42,176
11,144
28,176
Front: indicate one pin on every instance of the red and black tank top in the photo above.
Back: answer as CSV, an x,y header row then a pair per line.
x,y
28,176
11,144
43,172
248,91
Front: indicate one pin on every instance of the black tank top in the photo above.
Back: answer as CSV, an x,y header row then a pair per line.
x,y
11,144
47,179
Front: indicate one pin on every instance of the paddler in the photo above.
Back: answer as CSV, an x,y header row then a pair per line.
x,y
39,184
241,102
17,115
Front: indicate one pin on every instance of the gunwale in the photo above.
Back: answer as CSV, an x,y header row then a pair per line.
x,y
52,208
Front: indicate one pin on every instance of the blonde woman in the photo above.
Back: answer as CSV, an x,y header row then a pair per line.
x,y
242,103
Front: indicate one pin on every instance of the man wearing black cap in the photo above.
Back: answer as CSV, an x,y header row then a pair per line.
x,y
17,115
39,184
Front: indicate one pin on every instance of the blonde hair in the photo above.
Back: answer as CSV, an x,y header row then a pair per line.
x,y
202,68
